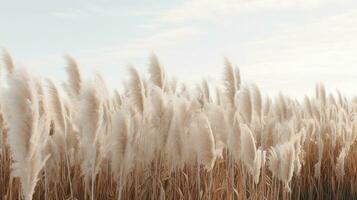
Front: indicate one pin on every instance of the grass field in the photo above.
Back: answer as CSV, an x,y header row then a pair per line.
x,y
163,139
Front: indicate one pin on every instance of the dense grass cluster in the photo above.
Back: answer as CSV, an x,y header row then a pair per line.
x,y
159,139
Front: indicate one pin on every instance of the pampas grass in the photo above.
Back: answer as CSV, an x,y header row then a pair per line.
x,y
27,131
8,61
137,89
75,79
162,139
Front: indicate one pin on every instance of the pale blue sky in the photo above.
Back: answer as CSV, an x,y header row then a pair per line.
x,y
282,45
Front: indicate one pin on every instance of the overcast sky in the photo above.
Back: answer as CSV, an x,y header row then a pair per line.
x,y
282,45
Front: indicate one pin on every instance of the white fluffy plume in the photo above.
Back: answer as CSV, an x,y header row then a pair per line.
x,y
27,131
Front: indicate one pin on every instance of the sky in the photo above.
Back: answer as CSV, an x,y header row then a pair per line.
x,y
281,45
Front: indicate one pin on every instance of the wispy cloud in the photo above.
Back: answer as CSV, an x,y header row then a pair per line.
x,y
293,60
215,9
71,14
165,38
294,49
89,10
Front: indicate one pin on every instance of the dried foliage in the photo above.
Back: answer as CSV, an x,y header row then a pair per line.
x,y
157,140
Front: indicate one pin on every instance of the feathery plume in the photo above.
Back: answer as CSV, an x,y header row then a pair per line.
x,y
234,142
75,79
203,140
230,82
244,103
237,76
91,116
157,73
120,139
281,162
248,148
257,100
206,93
57,106
27,131
137,89
9,63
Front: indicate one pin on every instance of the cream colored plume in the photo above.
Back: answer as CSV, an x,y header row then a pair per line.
x,y
251,158
230,82
75,79
245,106
121,138
9,63
234,140
157,73
281,162
91,116
137,89
202,140
27,131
